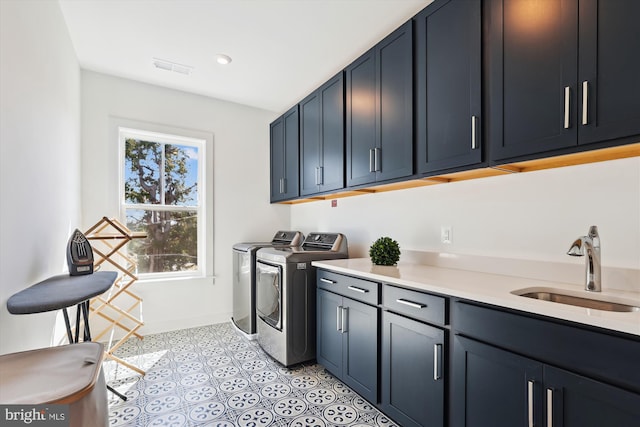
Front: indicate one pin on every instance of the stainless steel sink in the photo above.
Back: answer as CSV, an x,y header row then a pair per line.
x,y
561,297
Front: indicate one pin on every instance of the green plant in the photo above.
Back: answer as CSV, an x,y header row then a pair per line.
x,y
384,251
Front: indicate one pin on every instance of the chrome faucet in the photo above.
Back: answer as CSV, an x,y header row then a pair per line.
x,y
590,242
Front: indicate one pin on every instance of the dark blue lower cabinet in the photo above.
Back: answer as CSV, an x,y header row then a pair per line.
x,y
329,335
360,348
413,372
494,387
347,342
572,400
491,386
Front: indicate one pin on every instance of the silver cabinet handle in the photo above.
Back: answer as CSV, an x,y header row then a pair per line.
x,y
345,312
376,159
585,102
530,402
474,127
437,366
410,303
549,407
330,282
371,160
281,185
320,175
338,318
567,106
357,289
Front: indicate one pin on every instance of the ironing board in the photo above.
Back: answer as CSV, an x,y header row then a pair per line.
x,y
61,292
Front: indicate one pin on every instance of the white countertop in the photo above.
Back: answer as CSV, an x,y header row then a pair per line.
x,y
495,289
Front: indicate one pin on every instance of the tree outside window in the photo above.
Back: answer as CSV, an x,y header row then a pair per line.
x,y
162,199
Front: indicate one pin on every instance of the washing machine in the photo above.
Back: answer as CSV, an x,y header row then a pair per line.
x,y
244,278
286,296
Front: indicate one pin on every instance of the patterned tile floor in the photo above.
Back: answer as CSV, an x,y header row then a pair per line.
x,y
214,376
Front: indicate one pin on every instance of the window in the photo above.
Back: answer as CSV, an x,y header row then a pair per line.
x,y
162,192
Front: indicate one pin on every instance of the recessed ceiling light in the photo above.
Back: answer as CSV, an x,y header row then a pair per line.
x,y
223,59
163,64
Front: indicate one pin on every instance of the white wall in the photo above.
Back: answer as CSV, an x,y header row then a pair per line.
x,y
240,160
39,159
534,215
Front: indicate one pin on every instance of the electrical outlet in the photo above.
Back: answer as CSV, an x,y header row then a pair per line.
x,y
446,234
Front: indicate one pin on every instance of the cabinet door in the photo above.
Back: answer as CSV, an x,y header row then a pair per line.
x,y
412,371
379,137
532,81
575,401
448,85
609,66
277,159
361,115
360,348
322,138
394,56
291,140
331,172
284,156
493,387
329,334
310,143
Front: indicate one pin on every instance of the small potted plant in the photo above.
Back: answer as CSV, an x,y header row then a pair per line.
x,y
385,251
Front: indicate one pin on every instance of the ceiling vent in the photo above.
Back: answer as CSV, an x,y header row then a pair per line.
x,y
163,64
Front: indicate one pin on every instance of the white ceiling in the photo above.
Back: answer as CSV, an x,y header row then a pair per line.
x,y
281,49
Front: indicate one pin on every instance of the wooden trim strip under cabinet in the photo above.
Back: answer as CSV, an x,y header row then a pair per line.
x,y
586,157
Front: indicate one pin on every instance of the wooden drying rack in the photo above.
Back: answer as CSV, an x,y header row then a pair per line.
x,y
109,238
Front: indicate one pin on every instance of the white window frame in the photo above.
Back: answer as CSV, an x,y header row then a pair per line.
x,y
144,132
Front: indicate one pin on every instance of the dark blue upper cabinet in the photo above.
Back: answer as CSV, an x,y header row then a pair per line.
x,y
379,111
322,138
284,156
533,59
562,73
480,83
448,50
608,70
361,113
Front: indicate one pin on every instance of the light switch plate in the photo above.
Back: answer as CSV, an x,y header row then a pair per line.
x,y
446,234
